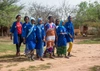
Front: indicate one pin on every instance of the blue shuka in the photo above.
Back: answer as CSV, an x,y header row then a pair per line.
x,y
30,38
70,29
40,34
62,41
15,33
24,28
30,35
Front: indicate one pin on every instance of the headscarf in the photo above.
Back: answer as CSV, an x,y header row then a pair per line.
x,y
61,24
39,19
32,19
31,29
69,19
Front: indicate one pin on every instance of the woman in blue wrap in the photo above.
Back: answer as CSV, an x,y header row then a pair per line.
x,y
62,41
70,29
16,31
40,36
30,37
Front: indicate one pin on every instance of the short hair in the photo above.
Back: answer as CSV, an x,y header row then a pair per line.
x,y
17,16
26,17
57,20
49,17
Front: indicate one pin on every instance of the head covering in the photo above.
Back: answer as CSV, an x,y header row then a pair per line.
x,y
32,19
69,18
61,24
39,19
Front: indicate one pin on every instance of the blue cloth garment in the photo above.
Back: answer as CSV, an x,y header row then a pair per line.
x,y
13,30
24,28
30,36
23,34
40,35
61,33
70,29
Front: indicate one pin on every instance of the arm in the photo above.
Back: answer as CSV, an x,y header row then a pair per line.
x,y
12,30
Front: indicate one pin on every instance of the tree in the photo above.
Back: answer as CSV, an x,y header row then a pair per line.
x,y
8,11
43,11
88,14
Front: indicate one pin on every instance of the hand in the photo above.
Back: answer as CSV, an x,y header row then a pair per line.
x,y
24,40
44,40
71,36
11,37
63,33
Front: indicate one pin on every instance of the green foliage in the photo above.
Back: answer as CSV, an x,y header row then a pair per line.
x,y
8,11
88,12
90,41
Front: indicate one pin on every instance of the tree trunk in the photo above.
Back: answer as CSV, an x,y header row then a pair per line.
x,y
2,31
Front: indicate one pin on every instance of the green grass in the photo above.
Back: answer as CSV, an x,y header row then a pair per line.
x,y
1,66
8,46
10,65
37,68
90,41
95,68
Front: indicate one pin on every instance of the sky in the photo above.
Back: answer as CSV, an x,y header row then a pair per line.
x,y
56,3
53,2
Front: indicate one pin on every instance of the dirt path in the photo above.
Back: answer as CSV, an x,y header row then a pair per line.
x,y
85,56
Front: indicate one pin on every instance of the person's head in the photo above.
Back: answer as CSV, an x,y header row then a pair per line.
x,y
26,19
69,18
18,18
57,22
50,18
40,21
32,20
62,23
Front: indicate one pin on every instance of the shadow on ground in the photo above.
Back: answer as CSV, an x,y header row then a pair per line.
x,y
13,58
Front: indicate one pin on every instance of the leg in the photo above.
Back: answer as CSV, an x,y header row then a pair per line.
x,y
32,55
70,48
41,54
17,49
54,50
37,53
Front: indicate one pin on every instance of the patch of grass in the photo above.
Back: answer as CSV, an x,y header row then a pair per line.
x,y
95,68
90,41
48,63
22,69
10,65
10,70
43,67
37,68
1,66
6,46
32,68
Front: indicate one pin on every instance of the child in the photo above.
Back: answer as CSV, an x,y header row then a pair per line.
x,y
40,34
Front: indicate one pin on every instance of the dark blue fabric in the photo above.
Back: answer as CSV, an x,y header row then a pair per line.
x,y
61,37
24,29
13,30
70,29
40,34
31,39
